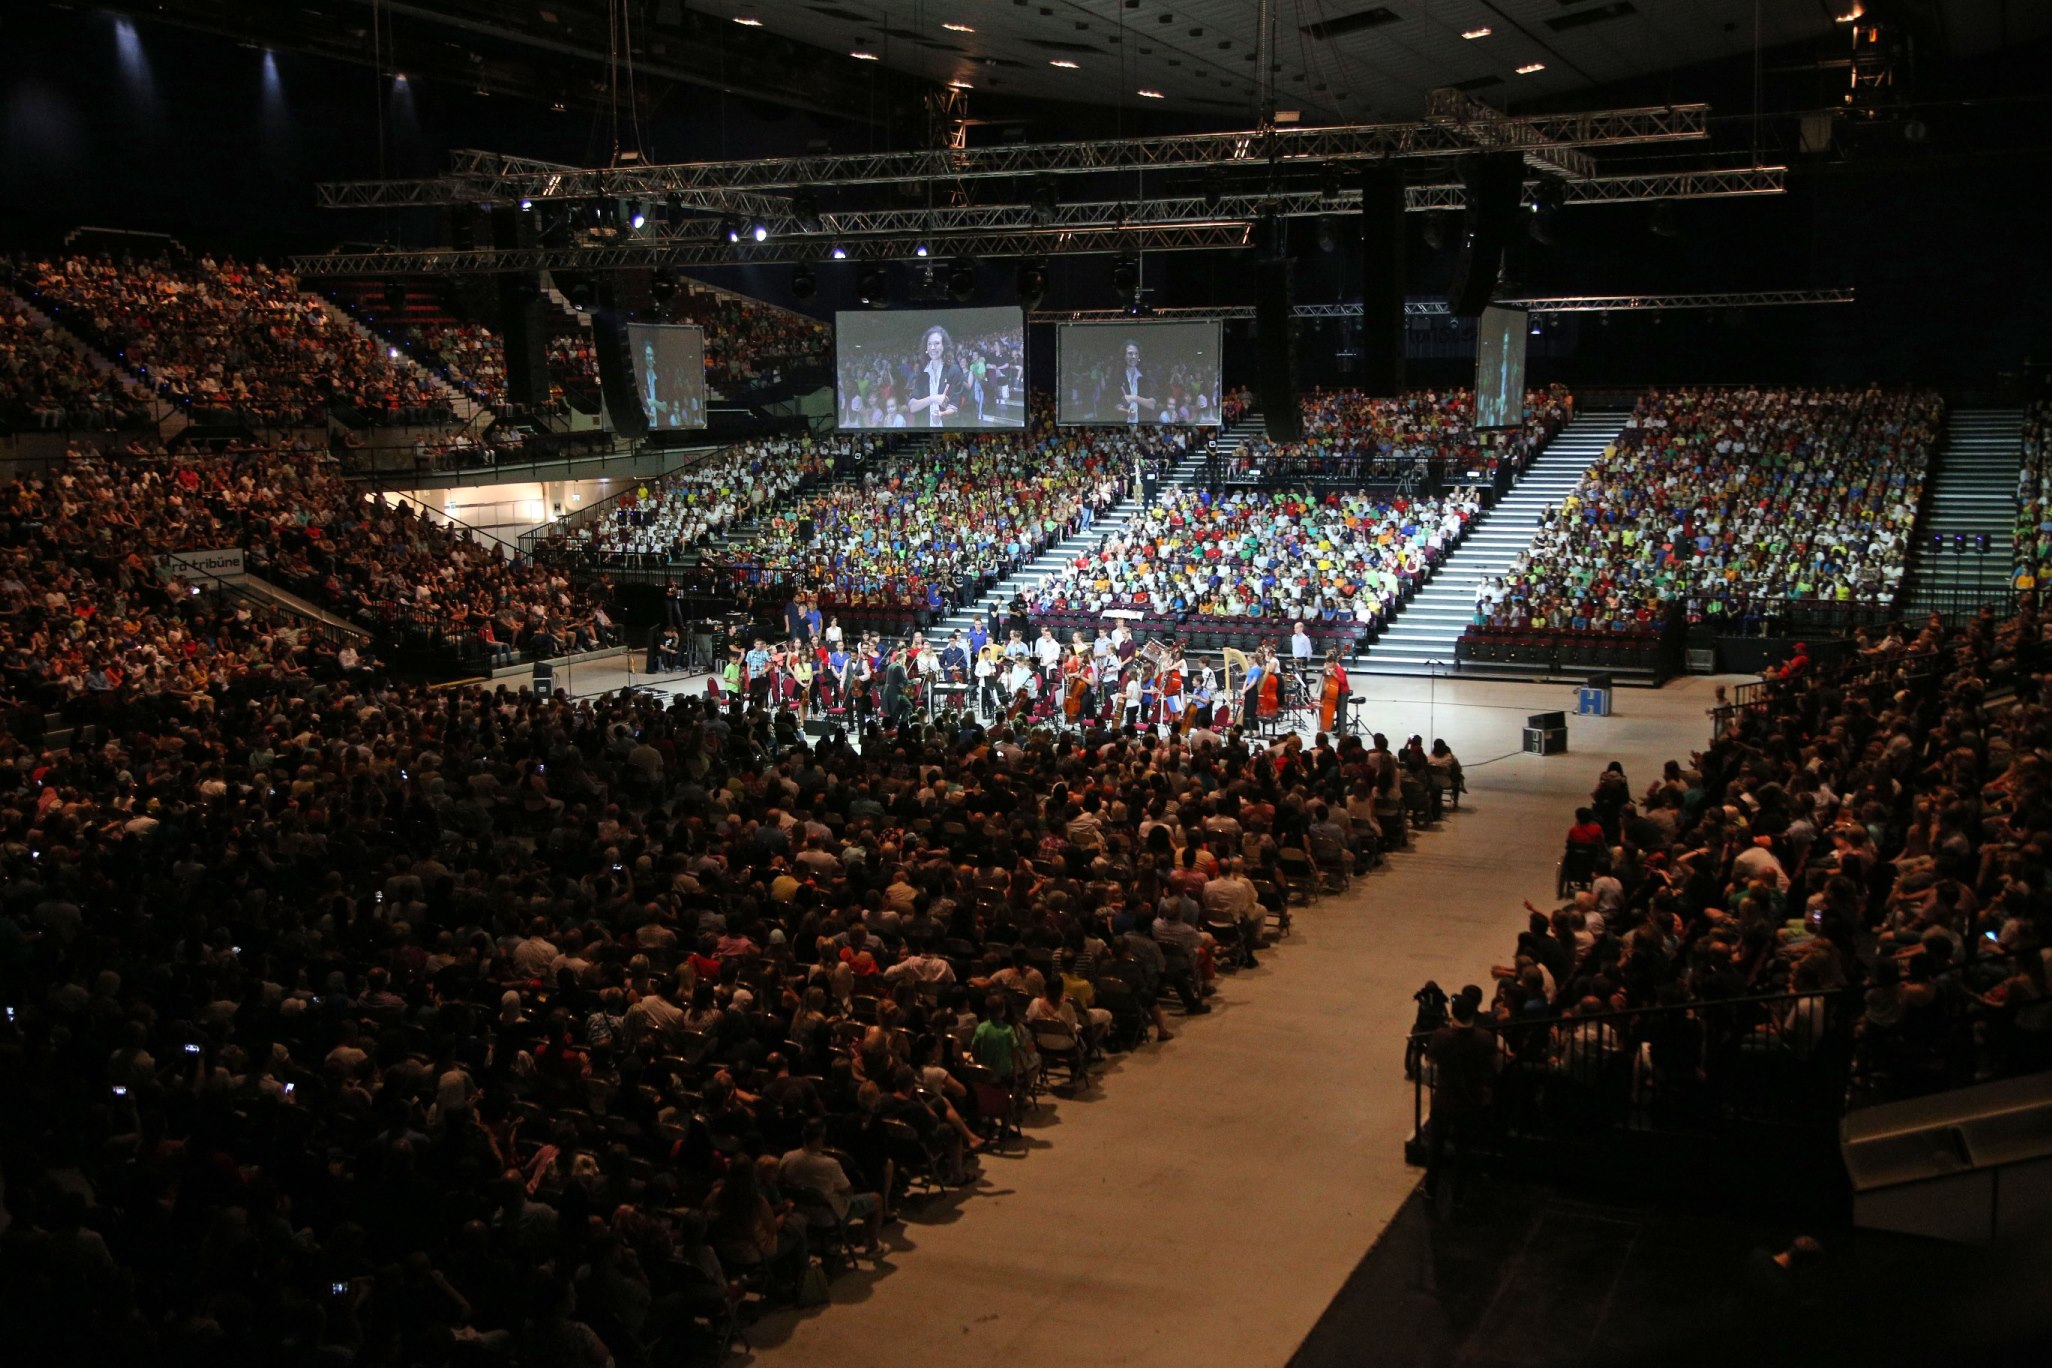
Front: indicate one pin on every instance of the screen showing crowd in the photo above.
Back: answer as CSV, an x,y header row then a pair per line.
x,y
669,373
1500,368
1138,372
931,368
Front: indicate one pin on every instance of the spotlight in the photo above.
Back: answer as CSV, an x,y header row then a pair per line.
x,y
1435,229
1268,240
1032,282
805,208
1126,277
802,283
1328,233
730,229
920,250
526,204
962,280
638,220
872,285
839,253
1043,199
759,231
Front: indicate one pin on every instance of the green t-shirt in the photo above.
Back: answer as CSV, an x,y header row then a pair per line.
x,y
995,1047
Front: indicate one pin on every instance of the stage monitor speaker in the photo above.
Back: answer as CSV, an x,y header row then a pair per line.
x,y
1494,183
1547,720
1275,343
1382,281
615,361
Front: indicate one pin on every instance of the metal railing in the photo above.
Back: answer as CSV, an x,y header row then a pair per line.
x,y
1699,1068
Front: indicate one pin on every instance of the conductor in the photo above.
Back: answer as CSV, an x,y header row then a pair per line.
x,y
937,385
1134,385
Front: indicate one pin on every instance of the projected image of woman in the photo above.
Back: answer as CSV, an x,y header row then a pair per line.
x,y
937,383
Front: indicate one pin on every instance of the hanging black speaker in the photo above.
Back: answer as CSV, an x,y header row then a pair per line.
x,y
1275,348
523,327
1494,182
1382,281
615,361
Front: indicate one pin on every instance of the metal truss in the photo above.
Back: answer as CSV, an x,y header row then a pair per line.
x,y
1707,184
1542,137
1493,130
1437,308
629,254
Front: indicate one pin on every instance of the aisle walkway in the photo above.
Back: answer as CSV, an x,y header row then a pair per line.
x,y
1207,1201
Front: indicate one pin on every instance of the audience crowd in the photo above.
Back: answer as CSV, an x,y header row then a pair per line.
x,y
747,342
1721,497
1339,558
2034,499
46,383
1865,845
471,353
1349,435
924,528
227,337
354,1021
662,519
378,563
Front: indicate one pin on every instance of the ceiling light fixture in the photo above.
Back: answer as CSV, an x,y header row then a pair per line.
x,y
1482,32
745,22
1064,63
863,56
1152,95
960,85
1528,68
958,28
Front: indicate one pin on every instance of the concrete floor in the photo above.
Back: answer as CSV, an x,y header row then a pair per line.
x,y
1205,1202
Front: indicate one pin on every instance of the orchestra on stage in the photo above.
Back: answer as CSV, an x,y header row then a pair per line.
x,y
1111,681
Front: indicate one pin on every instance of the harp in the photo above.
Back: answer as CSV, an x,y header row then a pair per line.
x,y
1236,664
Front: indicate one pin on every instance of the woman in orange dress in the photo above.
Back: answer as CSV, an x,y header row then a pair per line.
x,y
1271,683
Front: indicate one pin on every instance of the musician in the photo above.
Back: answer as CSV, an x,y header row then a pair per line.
x,y
937,383
1171,687
798,668
1048,651
1271,683
979,635
756,665
989,686
833,680
954,660
1250,687
1332,699
896,688
1020,681
1300,649
1203,696
1015,645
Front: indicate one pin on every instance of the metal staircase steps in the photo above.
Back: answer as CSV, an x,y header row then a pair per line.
x,y
1420,638
1972,495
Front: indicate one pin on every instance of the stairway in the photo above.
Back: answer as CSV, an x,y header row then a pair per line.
x,y
462,405
1972,494
1420,638
172,420
1056,557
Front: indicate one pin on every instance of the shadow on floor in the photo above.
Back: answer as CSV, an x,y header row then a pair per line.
x,y
1519,1275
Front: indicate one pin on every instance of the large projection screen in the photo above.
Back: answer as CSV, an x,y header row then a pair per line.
x,y
912,369
1145,371
1500,368
669,373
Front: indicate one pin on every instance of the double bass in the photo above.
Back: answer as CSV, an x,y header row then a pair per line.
x,y
1332,700
1076,686
1271,685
